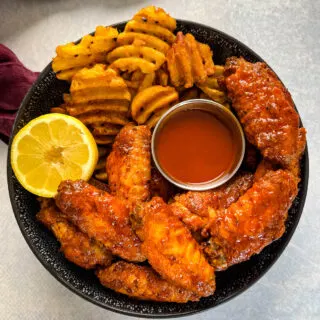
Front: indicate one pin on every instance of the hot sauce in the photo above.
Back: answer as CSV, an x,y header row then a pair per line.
x,y
195,146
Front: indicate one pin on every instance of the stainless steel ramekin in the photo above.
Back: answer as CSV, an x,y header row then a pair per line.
x,y
219,111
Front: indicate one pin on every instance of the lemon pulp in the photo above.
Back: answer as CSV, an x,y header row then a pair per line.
x,y
52,148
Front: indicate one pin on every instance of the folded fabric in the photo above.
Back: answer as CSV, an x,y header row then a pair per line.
x,y
15,81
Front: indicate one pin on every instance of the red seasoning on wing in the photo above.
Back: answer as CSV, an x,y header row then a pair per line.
x,y
100,216
75,245
129,164
197,208
142,282
265,109
253,222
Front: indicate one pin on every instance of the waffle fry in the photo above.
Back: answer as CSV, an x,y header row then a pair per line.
x,y
100,169
152,29
153,120
192,93
134,57
147,81
156,16
58,110
189,61
212,89
155,26
144,42
150,100
125,38
101,100
72,57
162,77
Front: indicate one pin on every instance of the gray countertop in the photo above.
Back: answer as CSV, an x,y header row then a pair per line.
x,y
286,34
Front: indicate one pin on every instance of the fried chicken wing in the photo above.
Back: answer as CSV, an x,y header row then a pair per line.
x,y
100,216
253,222
171,250
159,186
129,164
142,282
75,245
197,208
265,109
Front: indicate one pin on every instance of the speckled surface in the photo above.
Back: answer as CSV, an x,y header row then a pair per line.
x,y
282,34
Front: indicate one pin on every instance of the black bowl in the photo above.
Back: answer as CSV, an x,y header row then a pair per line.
x,y
47,93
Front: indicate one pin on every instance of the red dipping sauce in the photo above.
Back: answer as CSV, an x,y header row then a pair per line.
x,y
196,146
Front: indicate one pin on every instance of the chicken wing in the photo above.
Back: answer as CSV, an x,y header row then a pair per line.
x,y
171,250
265,109
159,186
129,164
100,216
197,208
142,282
75,245
253,222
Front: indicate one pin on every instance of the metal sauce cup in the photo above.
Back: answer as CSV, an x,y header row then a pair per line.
x,y
218,111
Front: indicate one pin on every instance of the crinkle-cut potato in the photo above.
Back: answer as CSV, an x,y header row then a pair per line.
x,y
189,61
140,81
156,16
58,110
147,81
132,64
72,57
100,169
192,93
153,120
151,27
162,77
136,57
148,40
121,106
106,129
150,100
99,98
212,88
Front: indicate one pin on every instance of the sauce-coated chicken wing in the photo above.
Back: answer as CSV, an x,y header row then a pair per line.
x,y
171,250
253,222
265,109
142,282
101,216
197,208
75,245
129,164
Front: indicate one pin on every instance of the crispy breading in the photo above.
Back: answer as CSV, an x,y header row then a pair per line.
x,y
129,164
159,186
253,222
265,109
143,283
75,245
171,250
189,61
100,216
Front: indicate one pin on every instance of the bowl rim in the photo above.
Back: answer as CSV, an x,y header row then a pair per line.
x,y
119,310
198,104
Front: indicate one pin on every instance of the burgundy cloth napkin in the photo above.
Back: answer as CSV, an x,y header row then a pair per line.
x,y
15,81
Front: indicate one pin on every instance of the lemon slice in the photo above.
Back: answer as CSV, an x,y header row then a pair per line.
x,y
52,148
